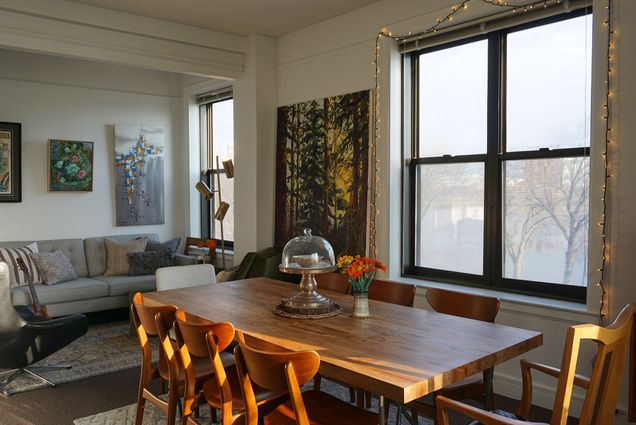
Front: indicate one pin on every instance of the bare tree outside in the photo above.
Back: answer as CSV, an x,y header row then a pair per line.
x,y
547,212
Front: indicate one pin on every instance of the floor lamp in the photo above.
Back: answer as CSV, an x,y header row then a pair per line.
x,y
208,194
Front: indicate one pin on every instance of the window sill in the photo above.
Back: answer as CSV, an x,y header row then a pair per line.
x,y
547,307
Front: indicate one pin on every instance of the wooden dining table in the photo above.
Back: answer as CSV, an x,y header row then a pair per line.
x,y
399,353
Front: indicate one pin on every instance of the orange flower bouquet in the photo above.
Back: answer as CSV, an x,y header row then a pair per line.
x,y
360,270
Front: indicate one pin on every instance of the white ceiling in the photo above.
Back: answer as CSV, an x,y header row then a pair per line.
x,y
266,17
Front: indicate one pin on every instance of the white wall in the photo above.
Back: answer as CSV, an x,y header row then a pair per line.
x,y
334,57
255,148
70,99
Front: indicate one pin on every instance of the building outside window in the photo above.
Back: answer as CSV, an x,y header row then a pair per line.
x,y
497,187
217,140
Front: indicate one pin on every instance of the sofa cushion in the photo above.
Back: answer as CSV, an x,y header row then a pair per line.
x,y
79,289
147,262
172,245
117,255
12,256
74,247
122,285
96,251
55,267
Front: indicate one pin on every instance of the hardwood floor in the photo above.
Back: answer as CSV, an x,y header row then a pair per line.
x,y
58,406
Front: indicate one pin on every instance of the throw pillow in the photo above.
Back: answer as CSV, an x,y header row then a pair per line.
x,y
16,276
171,245
143,263
226,275
117,254
54,267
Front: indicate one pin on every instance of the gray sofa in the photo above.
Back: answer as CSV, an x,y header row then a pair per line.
x,y
91,291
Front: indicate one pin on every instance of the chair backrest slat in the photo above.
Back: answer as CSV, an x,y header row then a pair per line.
x,y
392,292
470,306
193,331
202,338
145,315
276,371
334,282
599,405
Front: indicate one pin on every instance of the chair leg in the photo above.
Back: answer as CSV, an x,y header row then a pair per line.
x,y
352,395
360,398
173,398
317,381
6,381
141,403
40,377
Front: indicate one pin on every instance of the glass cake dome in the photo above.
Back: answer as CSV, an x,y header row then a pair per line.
x,y
308,253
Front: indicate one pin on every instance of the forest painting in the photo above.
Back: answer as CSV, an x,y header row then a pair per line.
x,y
322,171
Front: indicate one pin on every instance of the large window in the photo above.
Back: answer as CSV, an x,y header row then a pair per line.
x,y
498,180
217,137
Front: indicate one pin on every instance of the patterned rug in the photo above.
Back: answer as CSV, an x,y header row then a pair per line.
x,y
105,348
153,416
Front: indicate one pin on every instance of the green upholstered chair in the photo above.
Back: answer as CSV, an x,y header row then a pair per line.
x,y
264,263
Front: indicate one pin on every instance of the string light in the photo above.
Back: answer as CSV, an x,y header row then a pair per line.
x,y
607,106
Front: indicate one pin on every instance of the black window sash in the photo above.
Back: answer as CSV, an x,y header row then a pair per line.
x,y
493,159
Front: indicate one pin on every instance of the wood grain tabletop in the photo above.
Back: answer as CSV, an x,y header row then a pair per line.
x,y
400,352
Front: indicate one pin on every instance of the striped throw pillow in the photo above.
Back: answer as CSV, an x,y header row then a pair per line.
x,y
10,256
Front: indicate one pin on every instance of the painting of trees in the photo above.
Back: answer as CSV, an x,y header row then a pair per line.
x,y
322,170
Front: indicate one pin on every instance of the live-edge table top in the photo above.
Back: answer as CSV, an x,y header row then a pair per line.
x,y
400,352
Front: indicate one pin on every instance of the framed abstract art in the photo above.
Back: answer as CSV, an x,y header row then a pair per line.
x,y
139,160
10,162
70,166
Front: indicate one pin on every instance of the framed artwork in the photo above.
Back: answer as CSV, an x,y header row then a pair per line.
x,y
139,163
322,171
70,166
10,162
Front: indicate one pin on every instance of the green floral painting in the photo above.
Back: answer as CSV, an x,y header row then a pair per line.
x,y
70,166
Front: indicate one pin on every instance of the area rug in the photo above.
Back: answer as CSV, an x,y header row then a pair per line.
x,y
104,349
153,416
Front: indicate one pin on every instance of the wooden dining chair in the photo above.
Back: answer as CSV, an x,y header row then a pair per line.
x,y
334,282
389,292
477,307
146,319
201,340
602,388
288,371
392,292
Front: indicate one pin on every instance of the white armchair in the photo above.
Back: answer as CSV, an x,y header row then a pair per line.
x,y
185,276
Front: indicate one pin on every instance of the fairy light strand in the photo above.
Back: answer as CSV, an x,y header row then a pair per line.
x,y
375,193
607,115
447,19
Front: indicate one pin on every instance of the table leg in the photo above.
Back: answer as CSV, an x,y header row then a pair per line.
x,y
407,414
488,377
381,419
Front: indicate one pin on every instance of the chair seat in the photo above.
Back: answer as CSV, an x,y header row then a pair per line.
x,y
322,409
202,366
213,397
508,415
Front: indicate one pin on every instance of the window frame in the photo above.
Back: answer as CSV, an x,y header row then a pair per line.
x,y
209,176
493,160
